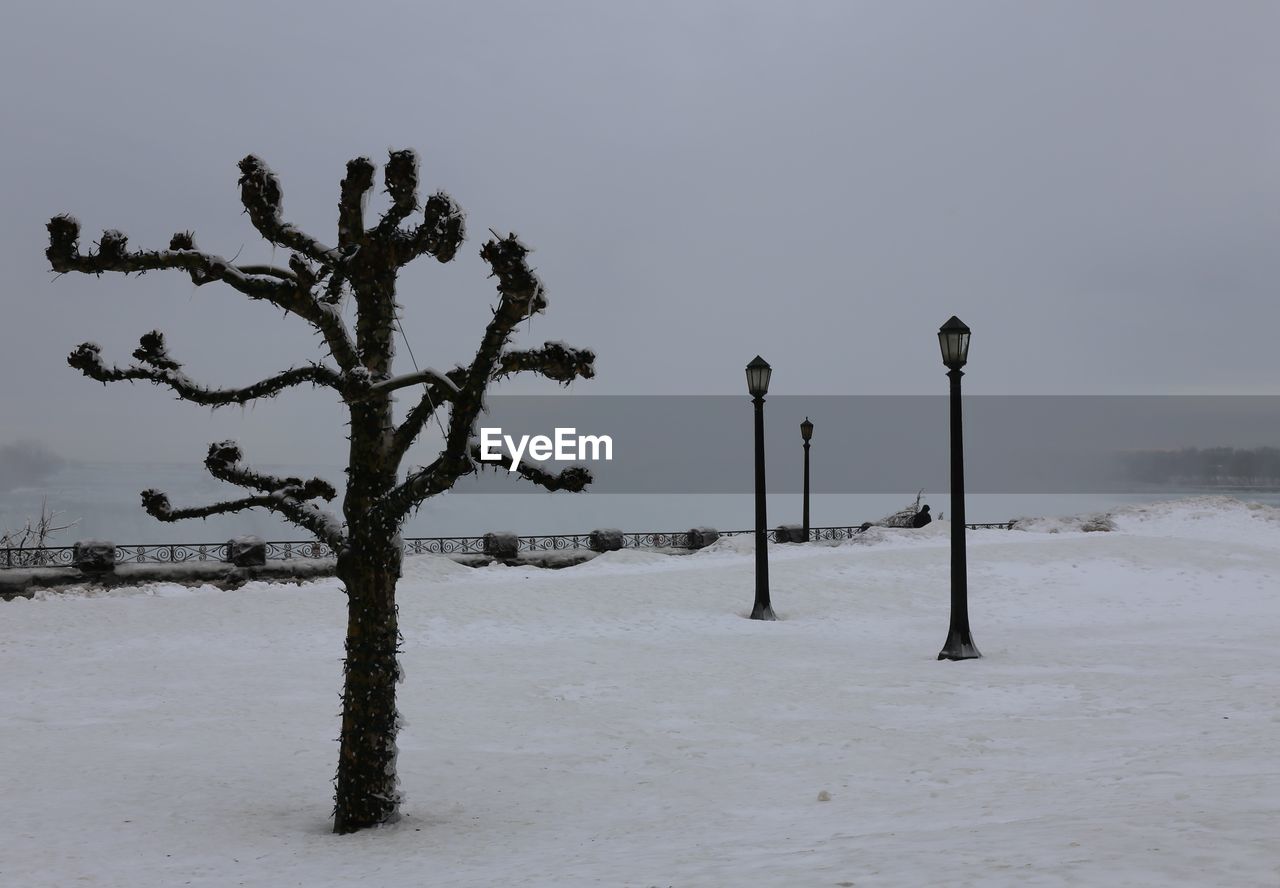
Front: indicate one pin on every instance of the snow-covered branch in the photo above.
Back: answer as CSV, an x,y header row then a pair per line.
x,y
573,479
441,232
401,176
433,398
287,497
156,366
554,360
398,382
223,463
425,483
263,200
113,254
358,181
521,295
290,290
156,504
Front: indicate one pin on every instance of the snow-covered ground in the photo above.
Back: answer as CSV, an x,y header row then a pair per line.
x,y
621,723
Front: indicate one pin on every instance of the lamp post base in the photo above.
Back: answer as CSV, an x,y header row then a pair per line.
x,y
959,647
763,612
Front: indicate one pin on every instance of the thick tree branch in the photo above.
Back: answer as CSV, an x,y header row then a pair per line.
x,y
441,232
423,484
223,463
263,200
113,254
401,176
289,290
521,295
269,271
286,497
157,367
554,360
430,374
573,479
445,471
433,398
156,504
357,183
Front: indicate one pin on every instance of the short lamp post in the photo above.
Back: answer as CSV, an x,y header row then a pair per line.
x,y
953,337
758,373
806,433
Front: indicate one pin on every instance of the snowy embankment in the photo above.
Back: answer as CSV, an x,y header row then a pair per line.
x,y
621,723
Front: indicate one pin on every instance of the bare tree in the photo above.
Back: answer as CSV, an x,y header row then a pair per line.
x,y
364,263
26,546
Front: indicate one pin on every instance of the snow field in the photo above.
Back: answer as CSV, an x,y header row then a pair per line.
x,y
622,723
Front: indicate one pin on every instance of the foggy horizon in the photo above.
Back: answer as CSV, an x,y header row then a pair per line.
x,y
1092,187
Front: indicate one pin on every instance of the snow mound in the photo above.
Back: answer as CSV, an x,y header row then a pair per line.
x,y
1208,518
1204,518
743,544
1093,522
625,559
141,590
432,567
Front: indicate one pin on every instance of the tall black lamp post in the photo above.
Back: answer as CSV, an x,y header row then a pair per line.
x,y
953,337
806,432
758,373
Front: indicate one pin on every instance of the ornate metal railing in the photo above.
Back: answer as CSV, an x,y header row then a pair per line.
x,y
173,554
180,553
50,556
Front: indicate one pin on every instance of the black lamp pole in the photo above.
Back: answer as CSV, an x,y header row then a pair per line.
x,y
806,432
953,337
758,373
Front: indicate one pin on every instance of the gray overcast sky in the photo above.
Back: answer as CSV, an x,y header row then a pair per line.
x,y
1093,186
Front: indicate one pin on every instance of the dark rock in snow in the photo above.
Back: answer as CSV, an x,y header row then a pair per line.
x,y
605,540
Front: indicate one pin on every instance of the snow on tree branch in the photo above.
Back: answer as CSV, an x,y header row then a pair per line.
x,y
263,200
428,374
157,367
433,398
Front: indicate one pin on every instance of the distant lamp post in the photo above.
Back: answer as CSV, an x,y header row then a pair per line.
x,y
806,432
953,338
758,373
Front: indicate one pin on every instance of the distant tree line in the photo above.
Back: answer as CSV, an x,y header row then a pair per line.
x,y
1212,466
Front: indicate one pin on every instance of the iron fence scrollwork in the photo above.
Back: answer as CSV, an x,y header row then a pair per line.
x,y
179,553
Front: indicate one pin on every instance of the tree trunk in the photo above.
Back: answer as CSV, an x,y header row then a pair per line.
x,y
366,784
369,567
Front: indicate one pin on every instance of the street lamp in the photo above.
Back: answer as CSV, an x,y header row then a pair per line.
x,y
758,373
953,338
806,432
